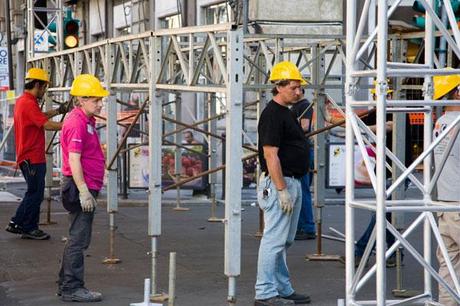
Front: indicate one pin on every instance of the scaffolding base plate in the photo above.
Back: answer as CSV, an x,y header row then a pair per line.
x,y
215,219
181,208
48,223
111,261
322,257
404,293
159,298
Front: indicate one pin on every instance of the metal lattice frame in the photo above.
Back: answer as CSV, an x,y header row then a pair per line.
x,y
206,59
54,11
385,69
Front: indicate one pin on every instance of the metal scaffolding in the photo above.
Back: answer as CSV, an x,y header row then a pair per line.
x,y
198,59
357,46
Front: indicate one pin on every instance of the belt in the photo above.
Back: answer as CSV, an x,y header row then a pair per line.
x,y
297,177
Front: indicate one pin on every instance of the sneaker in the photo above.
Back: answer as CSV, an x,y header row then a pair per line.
x,y
36,234
274,301
298,298
14,228
301,235
81,295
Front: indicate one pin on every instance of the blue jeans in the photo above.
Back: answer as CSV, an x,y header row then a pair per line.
x,y
306,219
71,275
311,163
364,240
279,232
28,213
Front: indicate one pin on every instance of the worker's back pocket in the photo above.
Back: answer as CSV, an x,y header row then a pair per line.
x,y
70,194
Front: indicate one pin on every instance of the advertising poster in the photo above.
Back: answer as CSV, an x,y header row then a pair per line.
x,y
193,163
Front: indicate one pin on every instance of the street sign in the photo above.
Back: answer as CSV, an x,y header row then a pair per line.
x,y
41,41
4,76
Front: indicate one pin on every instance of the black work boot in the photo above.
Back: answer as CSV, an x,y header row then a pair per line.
x,y
36,234
298,298
14,228
82,295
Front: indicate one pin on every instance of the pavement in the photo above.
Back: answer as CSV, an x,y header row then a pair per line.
x,y
28,269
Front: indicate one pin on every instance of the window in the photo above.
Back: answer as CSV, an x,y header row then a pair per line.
x,y
218,13
171,22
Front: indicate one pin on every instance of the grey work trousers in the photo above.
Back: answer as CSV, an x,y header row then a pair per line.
x,y
71,275
449,228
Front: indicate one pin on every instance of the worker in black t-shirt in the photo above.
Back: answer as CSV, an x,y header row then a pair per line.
x,y
306,226
283,156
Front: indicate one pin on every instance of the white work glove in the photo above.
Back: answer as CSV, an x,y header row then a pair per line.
x,y
285,201
87,201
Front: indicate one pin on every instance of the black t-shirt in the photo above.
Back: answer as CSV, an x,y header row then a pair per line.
x,y
371,119
278,127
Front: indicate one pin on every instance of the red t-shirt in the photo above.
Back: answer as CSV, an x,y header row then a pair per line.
x,y
28,130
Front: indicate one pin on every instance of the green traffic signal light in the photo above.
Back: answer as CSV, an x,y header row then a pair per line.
x,y
71,29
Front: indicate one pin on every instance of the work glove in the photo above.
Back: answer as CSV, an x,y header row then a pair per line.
x,y
87,201
63,108
284,199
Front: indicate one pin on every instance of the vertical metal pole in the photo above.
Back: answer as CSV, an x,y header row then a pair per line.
x,y
212,141
234,168
30,30
318,73
319,152
349,143
399,149
245,16
262,97
49,167
155,142
59,25
178,150
279,50
152,15
112,142
172,279
370,28
9,44
382,86
427,134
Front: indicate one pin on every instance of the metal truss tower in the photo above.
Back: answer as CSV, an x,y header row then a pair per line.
x,y
357,46
54,13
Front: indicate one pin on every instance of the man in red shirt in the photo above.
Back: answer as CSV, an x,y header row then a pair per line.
x,y
83,166
30,124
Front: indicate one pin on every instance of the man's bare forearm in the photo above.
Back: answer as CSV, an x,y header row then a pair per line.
x,y
76,168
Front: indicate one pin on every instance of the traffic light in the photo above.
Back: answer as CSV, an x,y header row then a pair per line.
x,y
418,7
71,29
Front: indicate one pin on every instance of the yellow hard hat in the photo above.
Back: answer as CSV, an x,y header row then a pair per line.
x,y
374,91
443,84
87,85
286,71
37,74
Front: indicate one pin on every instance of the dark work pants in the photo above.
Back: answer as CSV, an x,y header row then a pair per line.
x,y
71,275
362,242
28,213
